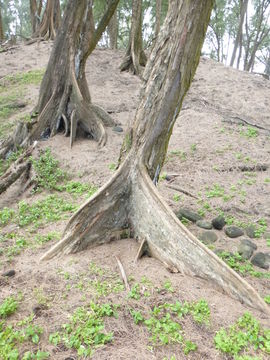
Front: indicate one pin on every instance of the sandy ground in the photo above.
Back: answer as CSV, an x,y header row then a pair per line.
x,y
207,147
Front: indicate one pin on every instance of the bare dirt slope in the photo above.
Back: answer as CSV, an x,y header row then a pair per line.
x,y
211,156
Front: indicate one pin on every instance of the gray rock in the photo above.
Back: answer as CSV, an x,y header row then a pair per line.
x,y
204,224
250,231
233,231
118,129
218,222
249,243
188,214
266,235
9,273
208,237
245,250
260,260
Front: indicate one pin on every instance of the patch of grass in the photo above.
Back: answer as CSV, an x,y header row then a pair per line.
x,y
49,209
85,330
22,78
48,173
163,326
246,333
6,214
11,336
267,299
43,239
49,176
244,267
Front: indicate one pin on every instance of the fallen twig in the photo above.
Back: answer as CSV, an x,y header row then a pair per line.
x,y
177,188
123,274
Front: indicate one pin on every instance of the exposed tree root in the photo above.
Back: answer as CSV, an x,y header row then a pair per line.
x,y
21,165
138,205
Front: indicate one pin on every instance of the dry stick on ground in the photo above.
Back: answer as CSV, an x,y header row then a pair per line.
x,y
243,168
130,198
123,274
177,188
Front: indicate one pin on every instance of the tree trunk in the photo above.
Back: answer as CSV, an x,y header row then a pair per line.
x,y
243,10
50,22
113,30
135,57
35,13
158,17
64,101
2,37
130,199
267,64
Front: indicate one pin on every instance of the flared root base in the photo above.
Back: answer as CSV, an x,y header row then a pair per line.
x,y
131,200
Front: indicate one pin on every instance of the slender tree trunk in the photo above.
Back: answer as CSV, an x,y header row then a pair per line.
x,y
135,57
2,37
130,199
243,10
158,17
113,30
267,64
35,13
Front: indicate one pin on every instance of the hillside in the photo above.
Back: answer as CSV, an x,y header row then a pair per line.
x,y
217,164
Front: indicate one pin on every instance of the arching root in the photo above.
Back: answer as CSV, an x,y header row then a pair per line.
x,y
131,199
100,219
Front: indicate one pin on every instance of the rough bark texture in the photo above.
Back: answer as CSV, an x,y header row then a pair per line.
x,y
158,17
50,22
135,57
130,198
238,40
1,27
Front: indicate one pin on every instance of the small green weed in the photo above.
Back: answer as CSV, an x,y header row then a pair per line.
x,y
112,166
48,173
8,307
49,209
249,132
176,197
242,335
6,215
267,299
11,336
85,331
243,267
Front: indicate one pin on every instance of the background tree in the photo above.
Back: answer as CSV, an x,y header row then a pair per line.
x,y
2,36
35,12
239,37
50,21
113,30
135,57
130,199
257,32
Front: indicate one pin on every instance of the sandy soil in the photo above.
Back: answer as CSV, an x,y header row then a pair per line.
x,y
207,147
